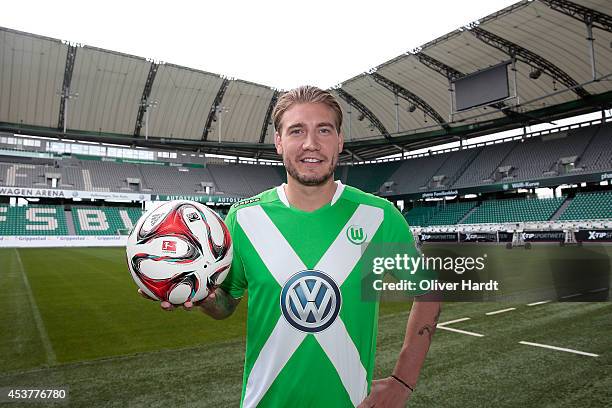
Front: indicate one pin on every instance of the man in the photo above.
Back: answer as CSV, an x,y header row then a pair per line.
x,y
302,243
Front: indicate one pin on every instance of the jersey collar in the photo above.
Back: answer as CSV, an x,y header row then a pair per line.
x,y
280,190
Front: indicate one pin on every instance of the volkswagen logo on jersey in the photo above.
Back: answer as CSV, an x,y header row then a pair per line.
x,y
310,301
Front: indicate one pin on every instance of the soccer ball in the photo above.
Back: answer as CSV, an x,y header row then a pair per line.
x,y
179,252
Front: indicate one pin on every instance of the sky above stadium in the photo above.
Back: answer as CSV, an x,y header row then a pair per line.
x,y
281,44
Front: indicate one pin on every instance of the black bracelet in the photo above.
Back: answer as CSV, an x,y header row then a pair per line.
x,y
402,382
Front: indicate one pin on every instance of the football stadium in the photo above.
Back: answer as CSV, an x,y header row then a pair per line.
x,y
494,140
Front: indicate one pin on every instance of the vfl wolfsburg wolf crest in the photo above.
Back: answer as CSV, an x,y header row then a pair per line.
x,y
310,301
356,234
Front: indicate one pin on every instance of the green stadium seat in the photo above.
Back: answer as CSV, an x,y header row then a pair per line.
x,y
514,210
33,220
104,220
589,206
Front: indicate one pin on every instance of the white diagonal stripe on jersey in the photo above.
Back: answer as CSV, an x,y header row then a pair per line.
x,y
279,348
282,262
274,250
343,255
343,354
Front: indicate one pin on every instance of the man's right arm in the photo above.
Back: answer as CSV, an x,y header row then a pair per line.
x,y
219,305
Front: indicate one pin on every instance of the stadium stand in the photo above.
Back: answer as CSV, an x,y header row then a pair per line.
x,y
370,177
451,214
589,205
32,220
173,180
104,220
419,216
514,210
598,154
414,174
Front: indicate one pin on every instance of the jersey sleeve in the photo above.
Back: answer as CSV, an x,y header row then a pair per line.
x,y
235,283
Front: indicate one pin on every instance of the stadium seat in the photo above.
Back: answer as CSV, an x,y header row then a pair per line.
x,y
592,206
33,220
104,220
514,210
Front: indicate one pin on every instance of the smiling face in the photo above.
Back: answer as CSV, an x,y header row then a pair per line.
x,y
309,143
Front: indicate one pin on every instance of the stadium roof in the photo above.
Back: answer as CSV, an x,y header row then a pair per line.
x,y
404,103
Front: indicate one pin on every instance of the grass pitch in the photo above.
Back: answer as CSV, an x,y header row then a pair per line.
x,y
71,317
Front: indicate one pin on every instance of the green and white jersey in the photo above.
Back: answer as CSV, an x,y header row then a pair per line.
x,y
311,339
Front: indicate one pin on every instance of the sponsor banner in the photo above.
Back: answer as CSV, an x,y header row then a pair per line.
x,y
48,241
594,235
69,194
543,236
445,193
478,237
438,237
199,198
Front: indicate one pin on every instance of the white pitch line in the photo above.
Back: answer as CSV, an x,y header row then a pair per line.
x,y
571,296
598,290
559,348
40,325
460,331
463,319
500,311
538,303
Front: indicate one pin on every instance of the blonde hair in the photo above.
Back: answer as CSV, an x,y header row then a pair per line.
x,y
305,94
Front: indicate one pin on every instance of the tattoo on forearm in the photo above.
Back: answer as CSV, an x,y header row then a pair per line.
x,y
430,328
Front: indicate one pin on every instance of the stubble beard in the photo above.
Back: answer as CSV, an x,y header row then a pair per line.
x,y
311,180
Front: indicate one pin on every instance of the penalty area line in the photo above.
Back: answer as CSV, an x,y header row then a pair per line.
x,y
40,325
461,331
567,350
463,319
500,311
538,303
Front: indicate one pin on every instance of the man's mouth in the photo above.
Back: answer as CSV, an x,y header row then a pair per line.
x,y
311,160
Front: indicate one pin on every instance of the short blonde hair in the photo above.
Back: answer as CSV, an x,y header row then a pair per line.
x,y
306,94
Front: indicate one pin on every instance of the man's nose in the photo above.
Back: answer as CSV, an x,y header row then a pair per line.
x,y
312,141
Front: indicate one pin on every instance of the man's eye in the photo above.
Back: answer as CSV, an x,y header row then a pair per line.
x,y
325,130
295,131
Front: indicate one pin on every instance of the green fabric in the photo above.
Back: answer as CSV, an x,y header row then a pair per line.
x,y
308,378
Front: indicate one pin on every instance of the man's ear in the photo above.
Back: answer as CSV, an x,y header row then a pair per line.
x,y
340,142
277,143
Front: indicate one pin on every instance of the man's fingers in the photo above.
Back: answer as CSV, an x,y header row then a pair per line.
x,y
366,403
188,305
144,295
167,306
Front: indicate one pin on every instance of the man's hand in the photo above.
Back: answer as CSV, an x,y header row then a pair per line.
x,y
167,306
386,393
218,304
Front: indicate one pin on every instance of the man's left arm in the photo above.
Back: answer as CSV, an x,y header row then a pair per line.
x,y
395,390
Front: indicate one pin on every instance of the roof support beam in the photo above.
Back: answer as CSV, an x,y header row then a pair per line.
x,y
438,66
65,92
266,123
528,57
213,108
596,18
353,155
410,97
351,100
144,99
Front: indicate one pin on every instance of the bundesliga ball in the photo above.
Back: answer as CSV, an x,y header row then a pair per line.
x,y
179,252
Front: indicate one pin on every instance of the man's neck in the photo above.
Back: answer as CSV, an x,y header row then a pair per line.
x,y
309,198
